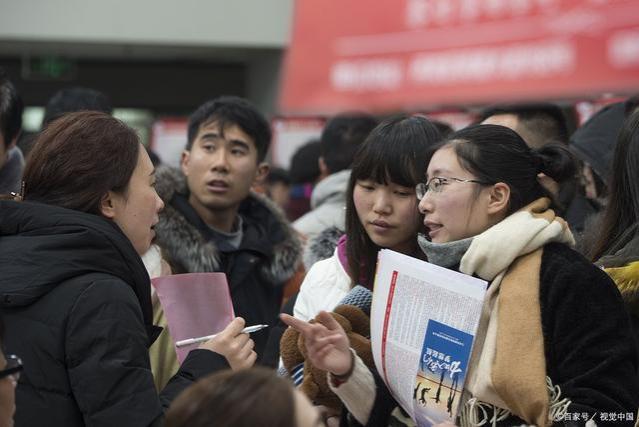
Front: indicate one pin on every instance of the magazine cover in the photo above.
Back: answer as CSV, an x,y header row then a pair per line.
x,y
442,370
423,321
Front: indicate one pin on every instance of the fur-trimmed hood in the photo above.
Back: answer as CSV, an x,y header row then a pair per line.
x,y
321,246
187,250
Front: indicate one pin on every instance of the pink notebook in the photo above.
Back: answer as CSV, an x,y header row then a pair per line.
x,y
195,305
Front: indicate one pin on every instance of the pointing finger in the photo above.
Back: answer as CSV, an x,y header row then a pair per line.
x,y
297,324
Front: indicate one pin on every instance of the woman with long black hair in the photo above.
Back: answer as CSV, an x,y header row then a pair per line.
x,y
616,248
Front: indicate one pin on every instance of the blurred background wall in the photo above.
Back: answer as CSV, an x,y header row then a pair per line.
x,y
159,57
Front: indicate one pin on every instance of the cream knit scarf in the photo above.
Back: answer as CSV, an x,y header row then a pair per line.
x,y
507,366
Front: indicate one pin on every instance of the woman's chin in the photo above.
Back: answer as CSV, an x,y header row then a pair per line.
x,y
437,235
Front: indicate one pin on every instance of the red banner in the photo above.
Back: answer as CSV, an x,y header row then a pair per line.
x,y
407,54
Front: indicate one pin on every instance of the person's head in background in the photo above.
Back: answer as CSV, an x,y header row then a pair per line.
x,y
69,100
304,167
444,128
304,173
381,208
91,162
11,108
538,124
74,99
594,144
224,156
481,174
278,187
10,368
340,138
247,398
621,215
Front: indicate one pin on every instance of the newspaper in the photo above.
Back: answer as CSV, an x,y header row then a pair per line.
x,y
423,321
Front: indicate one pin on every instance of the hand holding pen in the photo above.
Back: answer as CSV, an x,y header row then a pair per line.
x,y
235,345
247,330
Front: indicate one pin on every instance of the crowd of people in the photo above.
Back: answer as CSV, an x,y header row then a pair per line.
x,y
548,217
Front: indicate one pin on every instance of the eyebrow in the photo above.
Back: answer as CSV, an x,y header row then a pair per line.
x,y
240,143
214,135
210,135
437,172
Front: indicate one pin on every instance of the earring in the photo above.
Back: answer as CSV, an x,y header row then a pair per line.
x,y
18,197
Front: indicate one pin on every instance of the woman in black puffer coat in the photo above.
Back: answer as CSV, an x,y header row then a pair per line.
x,y
74,291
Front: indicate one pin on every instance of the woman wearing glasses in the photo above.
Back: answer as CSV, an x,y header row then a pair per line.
x,y
616,243
554,338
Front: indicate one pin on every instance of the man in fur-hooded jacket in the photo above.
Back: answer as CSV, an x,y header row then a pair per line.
x,y
213,222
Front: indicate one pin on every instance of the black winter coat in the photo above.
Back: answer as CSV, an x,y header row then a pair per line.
x,y
589,348
75,298
269,254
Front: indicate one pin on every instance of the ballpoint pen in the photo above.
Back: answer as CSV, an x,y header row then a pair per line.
x,y
190,341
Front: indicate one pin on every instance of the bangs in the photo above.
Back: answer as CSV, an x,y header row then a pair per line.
x,y
398,162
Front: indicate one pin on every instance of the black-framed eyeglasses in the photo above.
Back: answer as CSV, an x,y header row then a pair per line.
x,y
436,185
13,368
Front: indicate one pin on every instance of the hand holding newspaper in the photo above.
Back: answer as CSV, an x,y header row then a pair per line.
x,y
423,321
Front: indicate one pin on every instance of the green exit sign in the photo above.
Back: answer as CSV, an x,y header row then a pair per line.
x,y
48,68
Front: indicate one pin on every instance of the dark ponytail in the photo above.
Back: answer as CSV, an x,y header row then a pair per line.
x,y
556,161
495,154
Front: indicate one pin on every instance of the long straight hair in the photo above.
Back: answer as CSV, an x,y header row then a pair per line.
x,y
396,151
622,210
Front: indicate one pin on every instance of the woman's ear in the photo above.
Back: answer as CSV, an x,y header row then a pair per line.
x,y
499,197
107,205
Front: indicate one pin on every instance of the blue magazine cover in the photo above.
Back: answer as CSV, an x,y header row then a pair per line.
x,y
442,370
